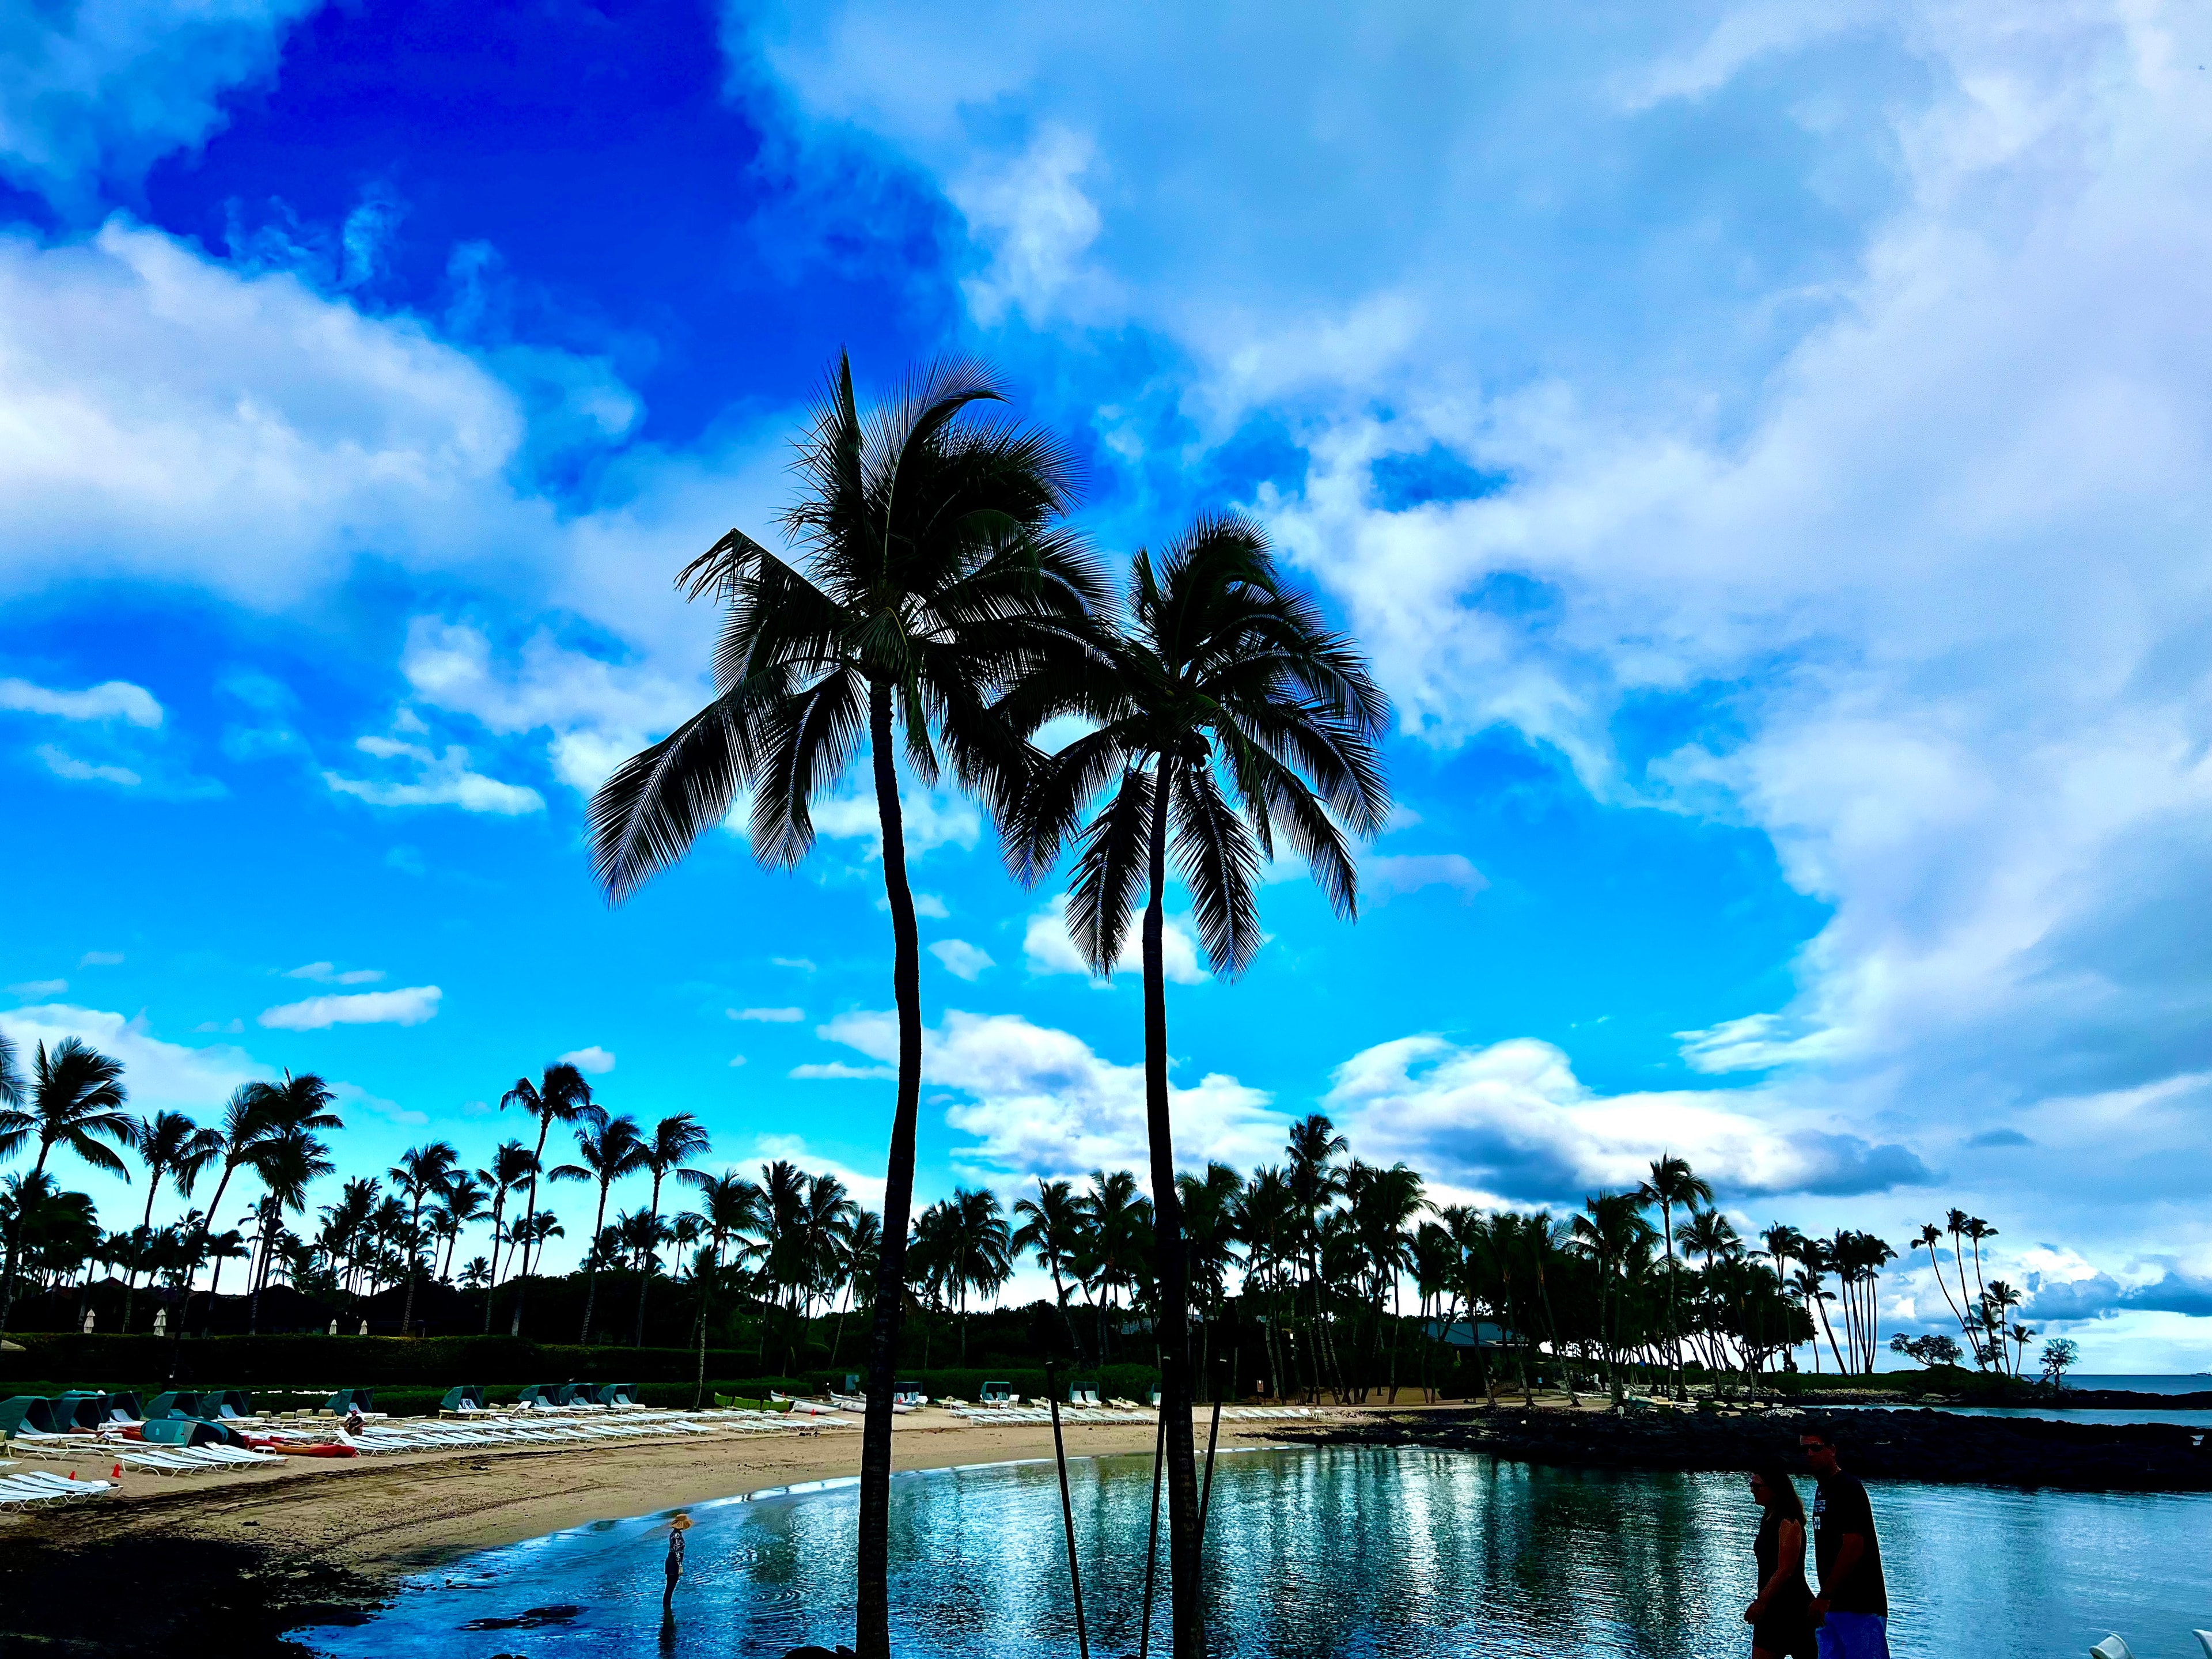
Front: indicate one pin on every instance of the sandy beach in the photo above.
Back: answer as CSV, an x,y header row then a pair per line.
x,y
242,1557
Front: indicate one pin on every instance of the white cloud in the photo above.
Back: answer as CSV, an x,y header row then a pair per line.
x,y
595,1060
35,989
929,818
1513,1119
409,1007
770,1016
100,959
736,1059
1032,213
1048,950
1392,875
112,700
106,87
63,764
962,959
441,780
326,973
355,1098
867,1188
161,1076
800,963
838,1070
1041,1102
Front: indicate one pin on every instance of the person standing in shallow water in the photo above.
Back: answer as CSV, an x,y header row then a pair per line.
x,y
1781,1618
1853,1605
677,1529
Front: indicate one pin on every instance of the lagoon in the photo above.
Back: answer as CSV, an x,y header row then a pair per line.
x,y
1350,1551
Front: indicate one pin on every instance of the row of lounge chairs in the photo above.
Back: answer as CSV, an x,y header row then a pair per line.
x,y
529,1429
41,1488
469,1398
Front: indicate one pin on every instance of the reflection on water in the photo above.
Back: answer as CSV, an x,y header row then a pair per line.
x,y
1352,1551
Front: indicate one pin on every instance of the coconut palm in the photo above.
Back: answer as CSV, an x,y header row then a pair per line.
x,y
286,1163
511,1166
419,1176
560,1096
1050,1225
934,576
1317,1181
172,1147
76,1097
977,1250
609,1148
1611,1230
1674,1182
460,1201
1113,1253
729,1205
674,1140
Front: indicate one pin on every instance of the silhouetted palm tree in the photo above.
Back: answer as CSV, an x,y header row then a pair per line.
x,y
287,1162
420,1176
171,1146
729,1205
460,1201
511,1166
608,1149
561,1097
675,1139
1226,713
1673,1181
76,1098
935,576
1050,1223
978,1256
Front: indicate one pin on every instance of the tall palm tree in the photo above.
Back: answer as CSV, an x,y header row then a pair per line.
x,y
1611,1230
1317,1180
675,1140
1673,1181
562,1096
460,1201
935,575
172,1147
511,1166
609,1148
1114,1220
1049,1224
420,1176
729,1205
76,1102
978,1249
288,1162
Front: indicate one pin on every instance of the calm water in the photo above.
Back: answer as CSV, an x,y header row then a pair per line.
x,y
1354,1552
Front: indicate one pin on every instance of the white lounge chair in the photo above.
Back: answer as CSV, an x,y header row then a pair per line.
x,y
2112,1648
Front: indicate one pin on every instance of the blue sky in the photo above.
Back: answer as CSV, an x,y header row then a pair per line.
x,y
1764,449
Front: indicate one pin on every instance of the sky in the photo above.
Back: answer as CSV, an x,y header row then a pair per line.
x,y
1763,449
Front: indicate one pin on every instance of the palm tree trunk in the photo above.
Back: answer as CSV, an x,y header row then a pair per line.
x,y
414,1245
705,1289
591,1270
873,1635
498,1210
1187,1614
530,1213
644,1274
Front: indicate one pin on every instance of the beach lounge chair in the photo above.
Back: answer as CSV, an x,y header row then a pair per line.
x,y
539,1394
226,1405
179,1431
81,1408
124,1408
178,1402
998,1394
908,1393
617,1393
2112,1648
1083,1395
461,1400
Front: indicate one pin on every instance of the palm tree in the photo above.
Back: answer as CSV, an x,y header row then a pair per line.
x,y
288,1162
1611,1230
562,1096
674,1140
511,1166
1115,1219
610,1148
421,1175
1383,1205
1050,1224
729,1205
1674,1182
935,576
460,1201
77,1100
170,1144
978,1254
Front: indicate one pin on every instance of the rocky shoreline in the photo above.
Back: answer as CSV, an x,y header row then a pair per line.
x,y
1926,1445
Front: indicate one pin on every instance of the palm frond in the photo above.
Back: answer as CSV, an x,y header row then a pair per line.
x,y
1214,851
1110,876
810,740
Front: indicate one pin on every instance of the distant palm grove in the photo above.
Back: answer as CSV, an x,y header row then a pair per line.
x,y
940,613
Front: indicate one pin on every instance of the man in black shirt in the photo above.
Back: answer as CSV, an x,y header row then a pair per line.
x,y
1853,1604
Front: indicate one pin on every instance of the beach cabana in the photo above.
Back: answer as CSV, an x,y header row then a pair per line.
x,y
573,1394
81,1408
1000,1393
182,1432
34,1411
346,1399
124,1407
542,1393
220,1405
178,1402
908,1393
1083,1393
468,1397
617,1393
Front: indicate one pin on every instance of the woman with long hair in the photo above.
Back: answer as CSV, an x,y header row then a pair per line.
x,y
1781,1618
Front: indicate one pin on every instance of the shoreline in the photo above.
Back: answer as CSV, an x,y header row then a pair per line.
x,y
233,1564
1903,1443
